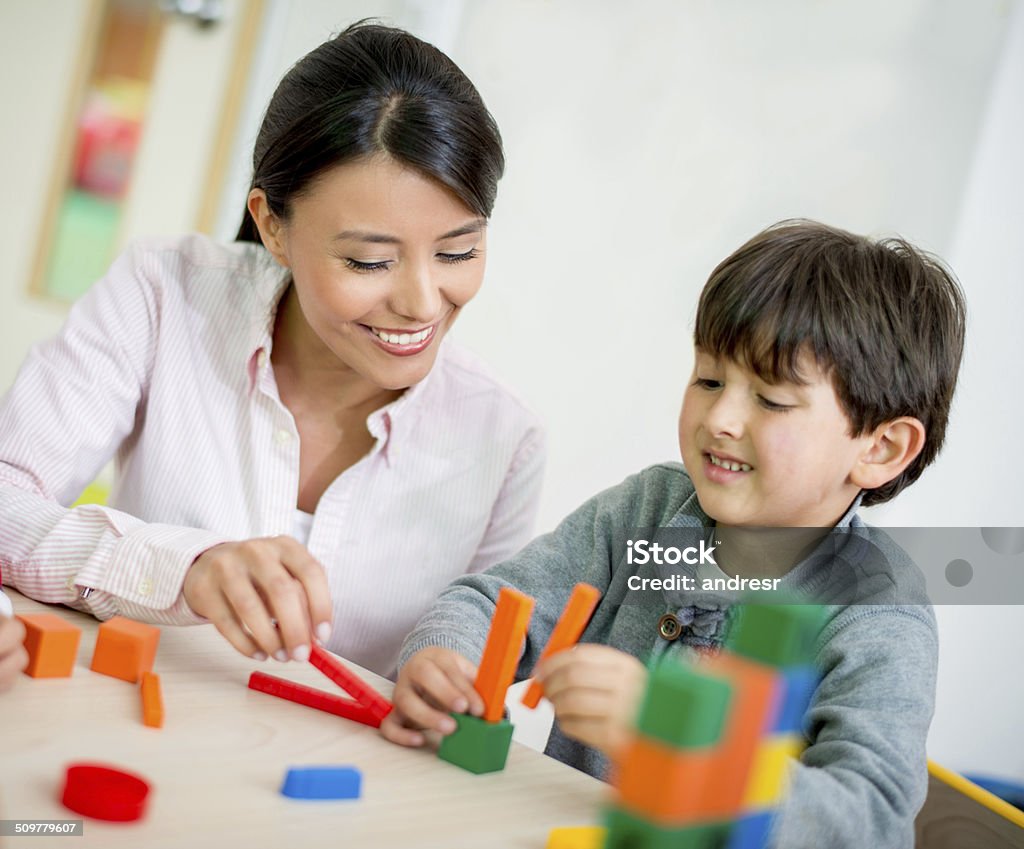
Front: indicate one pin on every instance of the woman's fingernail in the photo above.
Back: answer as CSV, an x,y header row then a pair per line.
x,y
281,656
446,725
323,632
416,739
460,705
301,654
260,656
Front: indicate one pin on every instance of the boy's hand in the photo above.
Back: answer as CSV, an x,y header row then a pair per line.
x,y
595,691
243,587
13,657
434,683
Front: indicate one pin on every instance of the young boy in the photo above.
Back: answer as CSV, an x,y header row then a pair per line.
x,y
825,368
13,657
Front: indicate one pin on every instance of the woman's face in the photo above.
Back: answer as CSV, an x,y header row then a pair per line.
x,y
383,260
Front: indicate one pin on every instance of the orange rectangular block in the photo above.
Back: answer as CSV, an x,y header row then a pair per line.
x,y
152,700
571,623
501,654
125,648
755,696
51,643
664,785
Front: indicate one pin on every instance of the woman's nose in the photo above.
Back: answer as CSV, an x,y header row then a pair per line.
x,y
416,296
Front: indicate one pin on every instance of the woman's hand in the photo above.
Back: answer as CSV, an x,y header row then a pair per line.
x,y
595,691
434,683
243,587
13,657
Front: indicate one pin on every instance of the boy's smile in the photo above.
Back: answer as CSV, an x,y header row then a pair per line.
x,y
767,455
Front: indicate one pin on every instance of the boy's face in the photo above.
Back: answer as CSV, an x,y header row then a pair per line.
x,y
767,455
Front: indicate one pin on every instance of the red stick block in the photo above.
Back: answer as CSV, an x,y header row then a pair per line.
x,y
351,683
501,654
578,610
311,697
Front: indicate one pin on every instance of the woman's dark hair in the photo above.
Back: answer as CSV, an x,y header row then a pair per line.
x,y
374,89
883,319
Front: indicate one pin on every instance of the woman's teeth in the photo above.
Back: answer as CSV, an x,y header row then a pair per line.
x,y
728,464
402,338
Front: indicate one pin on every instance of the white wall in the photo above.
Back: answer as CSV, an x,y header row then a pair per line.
x,y
647,140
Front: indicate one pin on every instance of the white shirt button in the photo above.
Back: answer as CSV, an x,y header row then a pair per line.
x,y
145,587
282,436
70,583
261,359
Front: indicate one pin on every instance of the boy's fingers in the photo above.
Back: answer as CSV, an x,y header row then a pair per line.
x,y
461,674
12,633
392,729
416,712
576,702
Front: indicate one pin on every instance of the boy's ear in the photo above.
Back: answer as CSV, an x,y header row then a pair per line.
x,y
891,447
270,226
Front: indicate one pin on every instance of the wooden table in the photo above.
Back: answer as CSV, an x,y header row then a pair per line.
x,y
217,765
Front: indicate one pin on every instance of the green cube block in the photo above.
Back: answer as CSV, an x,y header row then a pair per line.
x,y
682,706
777,634
477,745
628,831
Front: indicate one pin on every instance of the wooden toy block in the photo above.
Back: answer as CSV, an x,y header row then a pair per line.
x,y
577,837
152,700
477,745
317,699
662,785
125,648
104,792
684,707
755,698
798,686
777,634
501,653
351,683
751,831
769,772
323,782
51,643
574,618
626,831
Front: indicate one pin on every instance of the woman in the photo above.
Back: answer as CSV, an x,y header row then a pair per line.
x,y
299,450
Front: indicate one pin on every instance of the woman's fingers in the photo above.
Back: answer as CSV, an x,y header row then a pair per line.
x,y
264,595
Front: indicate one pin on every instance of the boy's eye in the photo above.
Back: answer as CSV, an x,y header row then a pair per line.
x,y
707,383
772,405
357,265
472,253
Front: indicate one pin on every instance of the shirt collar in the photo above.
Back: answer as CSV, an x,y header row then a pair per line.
x,y
269,282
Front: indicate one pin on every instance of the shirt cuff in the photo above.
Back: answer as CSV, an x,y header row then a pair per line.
x,y
147,567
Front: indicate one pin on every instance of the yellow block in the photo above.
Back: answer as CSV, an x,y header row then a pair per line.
x,y
769,772
579,837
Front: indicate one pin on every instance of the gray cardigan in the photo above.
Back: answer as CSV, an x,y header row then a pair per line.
x,y
863,777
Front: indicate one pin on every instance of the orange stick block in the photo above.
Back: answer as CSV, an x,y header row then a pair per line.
x,y
578,610
501,654
152,700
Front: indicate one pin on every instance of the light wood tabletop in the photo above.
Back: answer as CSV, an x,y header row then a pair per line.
x,y
217,765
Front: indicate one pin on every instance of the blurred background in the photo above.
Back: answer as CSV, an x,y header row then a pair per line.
x,y
645,141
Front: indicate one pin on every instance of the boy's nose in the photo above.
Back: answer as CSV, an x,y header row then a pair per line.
x,y
725,417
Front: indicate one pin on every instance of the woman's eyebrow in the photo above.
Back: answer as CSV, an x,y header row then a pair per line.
x,y
474,226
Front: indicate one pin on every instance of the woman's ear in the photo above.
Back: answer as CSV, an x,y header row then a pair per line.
x,y
891,447
269,225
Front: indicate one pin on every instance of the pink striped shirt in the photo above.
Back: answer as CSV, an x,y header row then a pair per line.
x,y
165,365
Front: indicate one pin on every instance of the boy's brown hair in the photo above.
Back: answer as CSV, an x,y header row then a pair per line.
x,y
883,319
